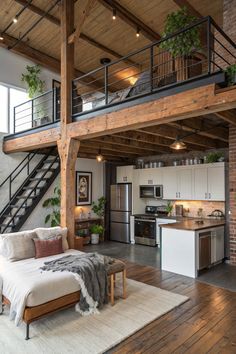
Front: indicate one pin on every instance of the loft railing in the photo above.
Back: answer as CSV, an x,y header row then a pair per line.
x,y
154,68
146,71
41,110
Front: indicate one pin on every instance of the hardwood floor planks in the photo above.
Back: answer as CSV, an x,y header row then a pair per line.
x,y
203,324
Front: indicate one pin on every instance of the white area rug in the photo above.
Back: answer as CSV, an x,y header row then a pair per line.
x,y
67,332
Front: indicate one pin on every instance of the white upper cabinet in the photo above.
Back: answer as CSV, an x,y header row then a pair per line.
x,y
124,174
150,176
170,188
209,182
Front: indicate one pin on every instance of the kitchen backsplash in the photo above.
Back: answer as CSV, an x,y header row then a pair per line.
x,y
194,205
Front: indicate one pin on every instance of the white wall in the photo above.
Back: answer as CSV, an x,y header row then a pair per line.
x,y
13,65
37,217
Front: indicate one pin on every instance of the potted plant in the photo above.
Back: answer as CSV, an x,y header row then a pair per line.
x,y
96,231
182,46
212,157
53,204
99,209
35,87
169,208
230,73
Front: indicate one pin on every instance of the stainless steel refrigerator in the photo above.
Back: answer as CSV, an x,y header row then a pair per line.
x,y
120,212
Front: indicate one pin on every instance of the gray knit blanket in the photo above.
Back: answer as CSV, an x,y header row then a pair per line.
x,y
90,270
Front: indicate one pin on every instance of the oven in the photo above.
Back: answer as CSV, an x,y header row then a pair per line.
x,y
145,231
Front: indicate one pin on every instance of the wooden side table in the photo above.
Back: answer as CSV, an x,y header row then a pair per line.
x,y
82,226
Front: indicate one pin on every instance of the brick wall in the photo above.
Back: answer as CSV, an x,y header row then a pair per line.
x,y
232,193
229,21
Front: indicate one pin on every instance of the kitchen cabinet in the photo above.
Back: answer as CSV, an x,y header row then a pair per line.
x,y
177,183
217,244
124,174
150,176
209,182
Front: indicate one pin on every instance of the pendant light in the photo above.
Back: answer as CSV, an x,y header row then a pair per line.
x,y
138,33
178,144
114,14
99,157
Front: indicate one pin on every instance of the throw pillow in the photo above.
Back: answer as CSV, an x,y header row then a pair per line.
x,y
45,248
18,245
44,233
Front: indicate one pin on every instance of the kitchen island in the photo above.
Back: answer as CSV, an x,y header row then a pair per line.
x,y
191,245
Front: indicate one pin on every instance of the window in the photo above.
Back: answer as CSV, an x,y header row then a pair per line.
x,y
9,98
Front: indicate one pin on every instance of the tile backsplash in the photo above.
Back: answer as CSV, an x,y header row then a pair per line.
x,y
194,205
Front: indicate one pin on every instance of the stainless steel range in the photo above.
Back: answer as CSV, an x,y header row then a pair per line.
x,y
145,225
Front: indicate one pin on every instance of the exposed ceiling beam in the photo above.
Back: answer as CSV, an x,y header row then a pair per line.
x,y
172,133
189,7
130,19
203,127
228,116
44,60
37,10
90,148
128,143
76,34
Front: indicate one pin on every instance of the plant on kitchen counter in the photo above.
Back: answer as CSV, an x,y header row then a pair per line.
x,y
169,208
214,157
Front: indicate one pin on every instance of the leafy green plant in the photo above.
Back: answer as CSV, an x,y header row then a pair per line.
x,y
99,207
231,74
32,80
169,208
53,204
213,157
184,43
97,229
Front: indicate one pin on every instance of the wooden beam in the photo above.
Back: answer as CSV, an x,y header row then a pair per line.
x,y
68,152
90,148
32,141
76,34
192,103
193,140
83,37
228,116
37,10
191,10
131,19
45,60
203,127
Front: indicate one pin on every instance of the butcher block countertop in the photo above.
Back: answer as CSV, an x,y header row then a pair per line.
x,y
194,225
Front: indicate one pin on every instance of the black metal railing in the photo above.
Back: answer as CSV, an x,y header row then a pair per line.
x,y
146,71
41,110
154,68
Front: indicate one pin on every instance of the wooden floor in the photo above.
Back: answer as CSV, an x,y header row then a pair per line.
x,y
204,324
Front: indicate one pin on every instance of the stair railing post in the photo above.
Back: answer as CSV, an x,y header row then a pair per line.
x,y
32,109
209,38
10,189
151,68
106,84
14,120
28,162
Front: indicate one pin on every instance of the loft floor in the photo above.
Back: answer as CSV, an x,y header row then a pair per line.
x,y
222,275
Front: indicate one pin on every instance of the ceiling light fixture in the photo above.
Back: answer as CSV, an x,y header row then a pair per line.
x,y
1,38
114,14
138,32
99,157
178,144
15,19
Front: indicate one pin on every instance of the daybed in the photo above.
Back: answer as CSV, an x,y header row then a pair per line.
x,y
32,293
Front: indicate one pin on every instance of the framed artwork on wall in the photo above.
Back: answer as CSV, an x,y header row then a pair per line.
x,y
83,188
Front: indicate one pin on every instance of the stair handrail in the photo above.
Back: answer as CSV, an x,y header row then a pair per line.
x,y
34,188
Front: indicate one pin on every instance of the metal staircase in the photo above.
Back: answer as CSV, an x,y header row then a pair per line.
x,y
34,181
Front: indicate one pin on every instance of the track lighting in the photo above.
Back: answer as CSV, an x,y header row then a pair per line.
x,y
114,14
138,32
178,144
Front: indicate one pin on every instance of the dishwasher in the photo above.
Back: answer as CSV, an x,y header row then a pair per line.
x,y
204,249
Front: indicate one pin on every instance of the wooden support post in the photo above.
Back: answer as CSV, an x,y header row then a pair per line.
x,y
68,151
68,148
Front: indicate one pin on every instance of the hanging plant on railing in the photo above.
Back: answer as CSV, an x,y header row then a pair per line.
x,y
184,43
32,80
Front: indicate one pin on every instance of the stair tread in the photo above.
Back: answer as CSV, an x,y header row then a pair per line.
x,y
19,206
45,169
25,196
38,178
30,188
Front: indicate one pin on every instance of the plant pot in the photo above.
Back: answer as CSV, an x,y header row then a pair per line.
x,y
94,239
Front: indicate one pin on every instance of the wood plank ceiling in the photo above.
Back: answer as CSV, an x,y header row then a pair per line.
x,y
103,37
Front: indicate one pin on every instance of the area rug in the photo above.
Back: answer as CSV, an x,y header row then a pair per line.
x,y
67,332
